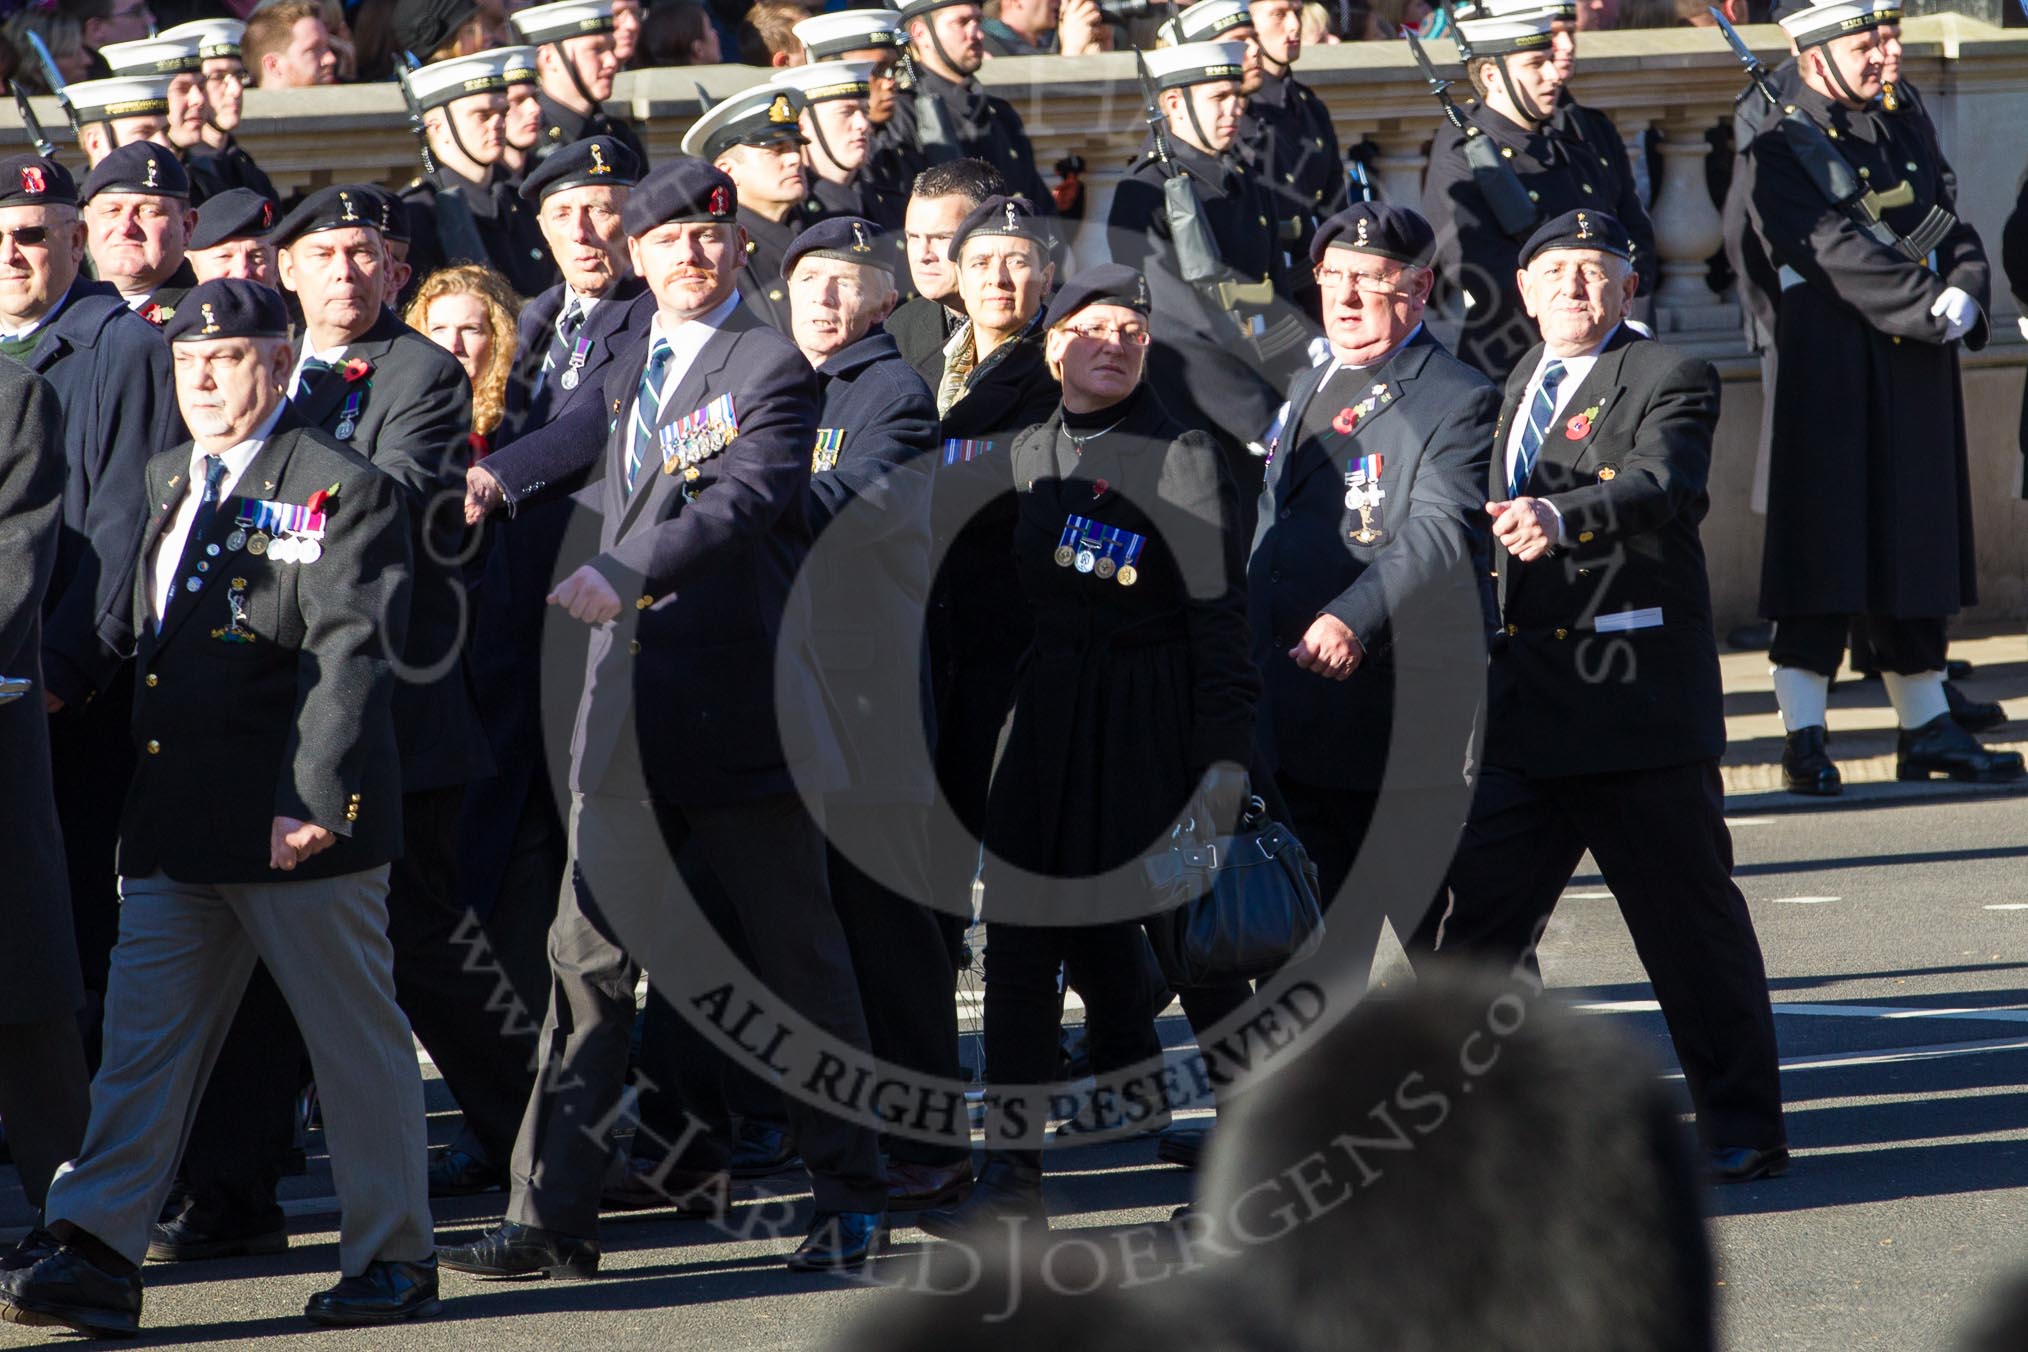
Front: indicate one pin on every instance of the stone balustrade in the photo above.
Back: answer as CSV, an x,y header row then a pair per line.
x,y
1680,83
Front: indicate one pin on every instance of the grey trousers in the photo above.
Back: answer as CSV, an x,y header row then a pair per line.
x,y
182,962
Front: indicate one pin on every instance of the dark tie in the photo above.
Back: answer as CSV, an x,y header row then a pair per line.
x,y
567,325
1541,410
311,370
647,409
200,525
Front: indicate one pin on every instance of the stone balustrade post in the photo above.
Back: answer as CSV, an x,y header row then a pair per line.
x,y
1688,227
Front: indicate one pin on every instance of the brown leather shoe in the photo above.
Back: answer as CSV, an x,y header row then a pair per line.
x,y
918,1187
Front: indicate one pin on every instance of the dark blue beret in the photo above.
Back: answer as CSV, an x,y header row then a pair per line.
x,y
683,189
228,307
1378,229
1012,216
392,210
342,206
236,213
138,167
1107,284
1584,229
596,161
422,26
850,239
31,181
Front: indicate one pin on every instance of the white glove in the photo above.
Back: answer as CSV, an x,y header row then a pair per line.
x,y
2023,322
1958,311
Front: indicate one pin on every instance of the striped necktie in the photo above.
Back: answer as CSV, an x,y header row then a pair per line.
x,y
647,409
567,325
200,521
312,368
1541,410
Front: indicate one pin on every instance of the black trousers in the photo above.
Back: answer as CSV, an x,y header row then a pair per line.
x,y
767,856
45,1098
1660,840
1817,643
91,752
899,953
1332,824
1024,1010
973,701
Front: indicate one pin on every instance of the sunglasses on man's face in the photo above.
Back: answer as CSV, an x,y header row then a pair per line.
x,y
27,236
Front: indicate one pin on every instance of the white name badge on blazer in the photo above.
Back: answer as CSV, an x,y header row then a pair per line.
x,y
1625,621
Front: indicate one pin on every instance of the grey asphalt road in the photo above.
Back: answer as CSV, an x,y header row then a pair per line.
x,y
1896,930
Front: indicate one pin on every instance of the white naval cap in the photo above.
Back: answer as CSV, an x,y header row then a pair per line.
x,y
214,37
758,115
160,55
1501,9
1206,21
848,30
567,19
517,64
443,82
820,81
1194,63
120,96
1819,24
1524,31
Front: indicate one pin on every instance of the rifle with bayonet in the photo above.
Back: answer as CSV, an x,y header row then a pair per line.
x,y
1832,176
36,136
52,77
1513,210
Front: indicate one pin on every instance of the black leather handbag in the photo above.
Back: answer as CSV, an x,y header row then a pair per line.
x,y
1236,908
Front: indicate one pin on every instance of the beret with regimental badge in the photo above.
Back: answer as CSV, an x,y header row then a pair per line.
x,y
120,96
762,115
680,191
342,206
214,37
849,239
1013,217
139,167
228,307
566,19
1584,229
236,213
393,212
31,181
848,30
1376,228
1106,284
596,161
1206,21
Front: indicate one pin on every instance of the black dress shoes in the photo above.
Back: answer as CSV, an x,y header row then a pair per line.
x,y
839,1241
1183,1145
386,1293
1973,715
645,1185
178,1241
1941,747
515,1250
1807,767
759,1150
32,1248
457,1172
1743,1164
65,1289
920,1187
1006,1193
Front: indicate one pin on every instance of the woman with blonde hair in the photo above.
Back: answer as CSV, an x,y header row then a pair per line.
x,y
469,311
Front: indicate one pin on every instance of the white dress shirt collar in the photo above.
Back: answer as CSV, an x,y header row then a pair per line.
x,y
686,340
169,547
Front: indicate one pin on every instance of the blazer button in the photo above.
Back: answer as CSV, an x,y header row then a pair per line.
x,y
1584,537
153,680
154,747
1284,516
644,603
633,645
1562,633
1513,629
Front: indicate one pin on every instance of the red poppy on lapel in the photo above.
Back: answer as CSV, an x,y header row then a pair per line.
x,y
1099,487
1347,419
1578,428
356,369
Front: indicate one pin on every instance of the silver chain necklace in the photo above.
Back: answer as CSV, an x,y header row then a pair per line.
x,y
1077,443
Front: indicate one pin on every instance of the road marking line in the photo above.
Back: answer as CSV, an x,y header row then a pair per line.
x,y
1587,896
2009,906
1750,821
1968,1014
1804,901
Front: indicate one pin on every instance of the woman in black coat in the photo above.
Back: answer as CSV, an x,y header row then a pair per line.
x,y
1133,708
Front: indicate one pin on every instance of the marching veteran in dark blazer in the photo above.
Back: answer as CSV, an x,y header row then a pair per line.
x,y
1135,698
1375,485
274,577
869,504
42,1064
691,737
1605,717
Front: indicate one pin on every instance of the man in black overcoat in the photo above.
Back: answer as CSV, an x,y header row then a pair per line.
x,y
947,46
692,737
1605,717
110,371
1869,498
273,581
